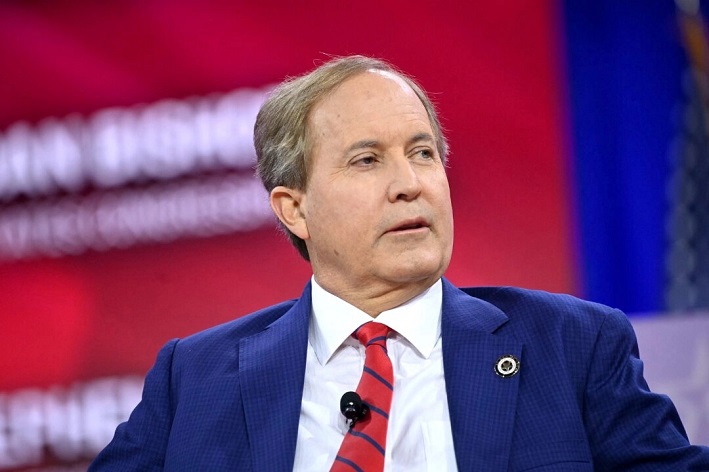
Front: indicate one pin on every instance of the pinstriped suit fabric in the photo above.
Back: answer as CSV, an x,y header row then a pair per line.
x,y
229,398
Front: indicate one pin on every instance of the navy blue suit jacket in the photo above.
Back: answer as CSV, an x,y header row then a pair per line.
x,y
229,398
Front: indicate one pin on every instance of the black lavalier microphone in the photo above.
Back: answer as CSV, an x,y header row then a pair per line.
x,y
352,406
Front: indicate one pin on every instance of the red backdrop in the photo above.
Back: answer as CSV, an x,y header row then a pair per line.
x,y
494,73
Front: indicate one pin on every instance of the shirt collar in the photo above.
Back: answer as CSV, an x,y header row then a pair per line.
x,y
334,320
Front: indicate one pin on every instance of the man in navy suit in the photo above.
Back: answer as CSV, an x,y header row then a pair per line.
x,y
486,379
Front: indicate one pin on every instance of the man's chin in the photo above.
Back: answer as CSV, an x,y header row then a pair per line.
x,y
419,272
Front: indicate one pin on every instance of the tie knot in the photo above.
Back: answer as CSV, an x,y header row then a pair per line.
x,y
372,333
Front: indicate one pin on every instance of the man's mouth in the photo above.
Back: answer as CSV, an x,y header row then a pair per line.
x,y
408,225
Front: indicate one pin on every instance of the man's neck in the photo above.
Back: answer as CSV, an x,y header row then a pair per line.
x,y
374,299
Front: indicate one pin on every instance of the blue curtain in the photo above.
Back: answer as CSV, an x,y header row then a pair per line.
x,y
625,63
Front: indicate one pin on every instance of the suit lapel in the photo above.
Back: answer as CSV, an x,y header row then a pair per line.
x,y
271,372
482,404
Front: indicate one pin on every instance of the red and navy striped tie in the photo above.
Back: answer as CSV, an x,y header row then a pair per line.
x,y
364,446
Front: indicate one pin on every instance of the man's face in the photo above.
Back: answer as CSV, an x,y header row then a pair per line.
x,y
377,205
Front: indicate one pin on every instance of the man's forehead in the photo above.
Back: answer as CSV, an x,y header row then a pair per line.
x,y
372,84
394,77
351,114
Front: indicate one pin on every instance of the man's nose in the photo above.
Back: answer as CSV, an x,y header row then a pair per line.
x,y
405,183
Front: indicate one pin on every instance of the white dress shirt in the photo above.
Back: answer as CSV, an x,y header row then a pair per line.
x,y
419,435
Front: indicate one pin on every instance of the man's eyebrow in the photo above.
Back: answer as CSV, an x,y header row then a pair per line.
x,y
363,144
421,137
371,143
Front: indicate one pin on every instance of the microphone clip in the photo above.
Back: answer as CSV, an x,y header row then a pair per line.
x,y
353,408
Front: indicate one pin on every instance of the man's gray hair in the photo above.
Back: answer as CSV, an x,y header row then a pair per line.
x,y
281,136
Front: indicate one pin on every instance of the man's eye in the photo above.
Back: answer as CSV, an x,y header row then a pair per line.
x,y
365,161
426,153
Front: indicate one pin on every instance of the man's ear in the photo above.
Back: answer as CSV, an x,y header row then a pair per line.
x,y
287,205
